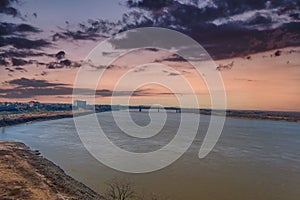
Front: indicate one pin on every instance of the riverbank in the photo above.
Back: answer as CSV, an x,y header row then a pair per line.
x,y
257,114
27,175
19,118
9,119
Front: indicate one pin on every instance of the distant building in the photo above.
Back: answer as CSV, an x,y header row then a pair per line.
x,y
33,104
80,104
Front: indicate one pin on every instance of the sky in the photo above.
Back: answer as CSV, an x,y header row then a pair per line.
x,y
254,48
51,14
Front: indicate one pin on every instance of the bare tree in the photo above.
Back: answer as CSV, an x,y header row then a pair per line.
x,y
120,190
123,189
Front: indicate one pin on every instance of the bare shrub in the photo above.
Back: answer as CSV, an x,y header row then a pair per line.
x,y
123,189
120,190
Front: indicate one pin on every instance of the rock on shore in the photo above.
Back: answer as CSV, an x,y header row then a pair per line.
x,y
27,175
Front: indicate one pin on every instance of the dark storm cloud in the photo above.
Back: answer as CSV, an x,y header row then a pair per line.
x,y
225,28
213,8
230,40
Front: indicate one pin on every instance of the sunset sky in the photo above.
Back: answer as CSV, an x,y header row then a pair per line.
x,y
255,46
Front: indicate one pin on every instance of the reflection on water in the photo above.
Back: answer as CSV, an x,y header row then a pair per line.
x,y
254,159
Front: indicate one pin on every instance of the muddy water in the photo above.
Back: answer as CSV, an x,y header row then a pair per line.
x,y
254,159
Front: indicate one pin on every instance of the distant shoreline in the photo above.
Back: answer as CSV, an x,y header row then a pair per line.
x,y
242,114
32,117
259,115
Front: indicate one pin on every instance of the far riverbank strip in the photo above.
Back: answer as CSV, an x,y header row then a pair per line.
x,y
19,118
289,116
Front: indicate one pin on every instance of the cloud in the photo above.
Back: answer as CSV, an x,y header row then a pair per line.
x,y
248,80
24,43
3,62
63,63
32,83
15,42
227,28
44,73
278,53
141,69
19,62
10,28
30,88
152,49
173,74
60,55
221,67
6,8
10,70
75,35
15,35
149,4
16,58
22,53
66,63
21,69
47,91
20,93
172,58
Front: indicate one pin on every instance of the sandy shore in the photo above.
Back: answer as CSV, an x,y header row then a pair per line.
x,y
28,176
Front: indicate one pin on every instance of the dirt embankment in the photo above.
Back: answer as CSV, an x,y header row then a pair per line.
x,y
28,176
19,118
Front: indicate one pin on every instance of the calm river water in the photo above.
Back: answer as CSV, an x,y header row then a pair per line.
x,y
254,159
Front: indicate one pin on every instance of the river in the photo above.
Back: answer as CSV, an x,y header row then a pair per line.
x,y
253,159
